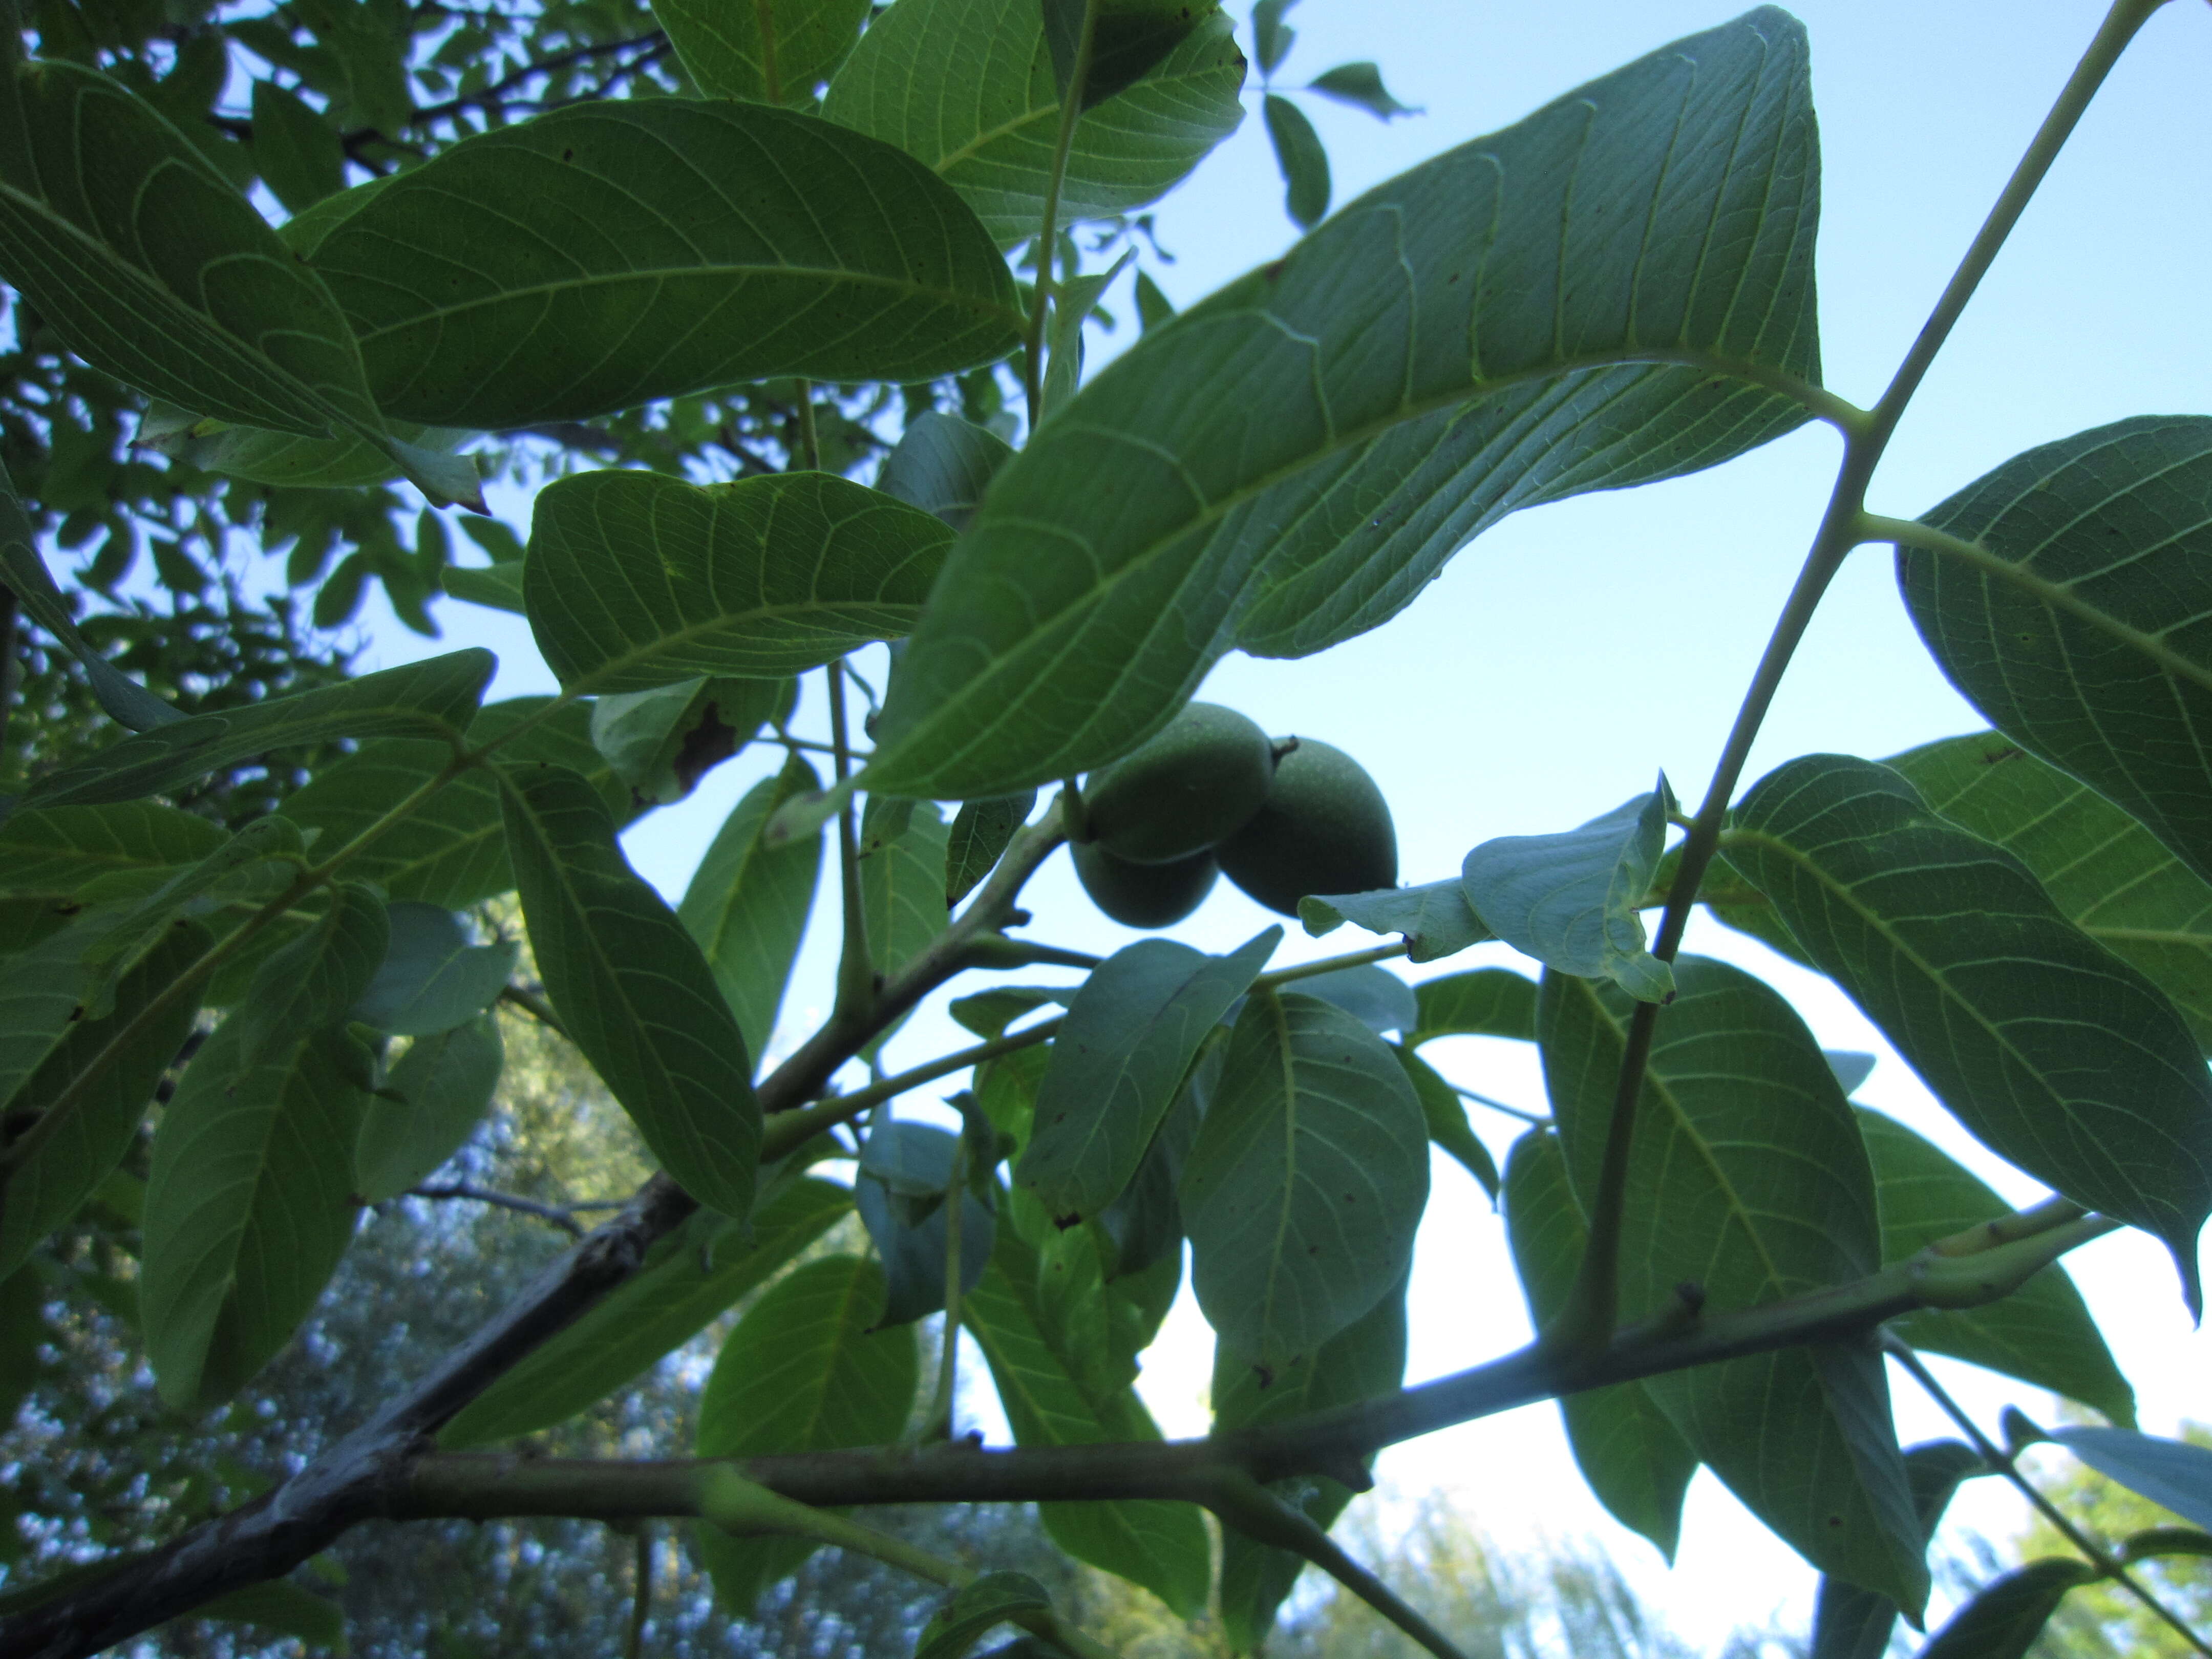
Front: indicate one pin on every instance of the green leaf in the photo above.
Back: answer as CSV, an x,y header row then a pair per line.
x,y
632,989
2107,874
43,992
1153,307
126,703
1569,900
61,1153
431,698
22,1331
315,980
1271,37
2057,1056
282,1608
285,458
255,865
1301,159
747,903
443,1086
1374,996
2078,625
498,585
452,851
1366,1359
1636,1462
1159,1544
248,1208
1446,1117
689,1278
967,87
296,152
1302,1192
761,578
1289,463
727,242
1850,1623
1486,1002
904,1166
776,52
941,465
988,1013
1749,1179
981,832
1143,1225
1434,917
993,1599
372,56
62,851
806,1369
2041,1333
662,742
115,226
1361,86
1128,40
902,891
2003,1621
432,978
1129,1036
2154,1541
2171,1473
1072,302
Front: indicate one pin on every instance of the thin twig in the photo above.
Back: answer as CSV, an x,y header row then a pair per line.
x,y
640,1592
534,1006
1496,1105
558,1214
2005,1464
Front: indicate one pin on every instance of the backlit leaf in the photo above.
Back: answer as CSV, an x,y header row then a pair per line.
x,y
444,1085
772,53
981,831
433,977
1568,305
2081,627
1446,1115
1747,1178
637,579
64,849
941,465
1850,1623
249,1206
1434,917
747,904
315,981
632,989
2057,1055
1308,1180
1129,1036
631,249
1634,1459
1301,159
967,87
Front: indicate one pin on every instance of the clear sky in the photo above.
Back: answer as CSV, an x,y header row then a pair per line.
x,y
1575,648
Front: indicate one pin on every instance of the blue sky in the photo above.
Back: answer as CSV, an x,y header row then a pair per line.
x,y
1575,648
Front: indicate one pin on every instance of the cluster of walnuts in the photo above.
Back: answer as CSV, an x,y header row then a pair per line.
x,y
1213,795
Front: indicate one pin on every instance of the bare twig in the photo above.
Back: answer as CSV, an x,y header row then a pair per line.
x,y
559,1215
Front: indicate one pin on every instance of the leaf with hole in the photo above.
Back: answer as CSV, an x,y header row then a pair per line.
x,y
1748,1178
903,1167
632,989
662,742
1635,1460
1307,1181
249,1206
967,87
1568,305
635,580
1129,1036
61,851
2057,1055
2075,614
631,249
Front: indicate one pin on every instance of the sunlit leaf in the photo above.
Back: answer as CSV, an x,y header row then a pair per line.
x,y
1569,306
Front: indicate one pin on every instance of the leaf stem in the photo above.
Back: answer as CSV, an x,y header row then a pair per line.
x,y
640,1592
1071,112
2005,1464
1593,1307
856,974
940,1412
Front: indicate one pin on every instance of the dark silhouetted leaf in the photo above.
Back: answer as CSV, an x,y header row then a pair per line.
x,y
444,1085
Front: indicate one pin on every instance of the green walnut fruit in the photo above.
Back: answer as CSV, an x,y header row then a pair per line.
x,y
1144,894
1324,828
1187,789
